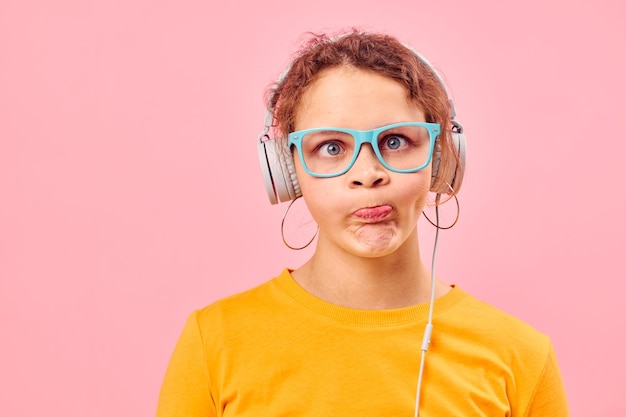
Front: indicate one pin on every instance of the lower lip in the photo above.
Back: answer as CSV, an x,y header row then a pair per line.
x,y
373,214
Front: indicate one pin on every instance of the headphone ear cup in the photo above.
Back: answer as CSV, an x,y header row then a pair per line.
x,y
278,171
292,185
452,172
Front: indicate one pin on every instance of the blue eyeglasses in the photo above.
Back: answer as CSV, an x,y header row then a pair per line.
x,y
330,151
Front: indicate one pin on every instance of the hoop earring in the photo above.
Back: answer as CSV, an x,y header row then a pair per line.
x,y
282,229
458,211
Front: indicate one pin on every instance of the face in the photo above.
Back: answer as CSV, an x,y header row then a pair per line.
x,y
368,211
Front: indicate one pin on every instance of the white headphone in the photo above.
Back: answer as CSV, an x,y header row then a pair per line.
x,y
279,173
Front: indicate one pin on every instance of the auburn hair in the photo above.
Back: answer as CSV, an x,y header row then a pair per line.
x,y
380,53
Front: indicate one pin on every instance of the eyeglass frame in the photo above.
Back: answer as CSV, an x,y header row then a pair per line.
x,y
361,137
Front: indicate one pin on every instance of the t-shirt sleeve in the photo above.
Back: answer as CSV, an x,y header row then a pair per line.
x,y
185,390
549,398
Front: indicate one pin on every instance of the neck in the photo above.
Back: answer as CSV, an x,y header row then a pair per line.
x,y
397,280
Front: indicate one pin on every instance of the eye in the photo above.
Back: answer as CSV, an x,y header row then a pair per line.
x,y
393,142
330,148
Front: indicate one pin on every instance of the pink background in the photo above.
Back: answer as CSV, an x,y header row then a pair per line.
x,y
131,195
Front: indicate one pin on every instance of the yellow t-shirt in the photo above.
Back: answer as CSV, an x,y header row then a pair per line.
x,y
277,350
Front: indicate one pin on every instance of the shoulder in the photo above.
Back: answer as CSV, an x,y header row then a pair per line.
x,y
490,337
245,309
491,323
236,304
511,353
495,354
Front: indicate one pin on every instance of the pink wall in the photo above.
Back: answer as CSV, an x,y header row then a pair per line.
x,y
130,190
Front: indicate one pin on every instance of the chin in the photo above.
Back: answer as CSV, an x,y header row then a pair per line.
x,y
377,247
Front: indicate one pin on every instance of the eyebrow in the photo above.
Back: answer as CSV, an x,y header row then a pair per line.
x,y
332,130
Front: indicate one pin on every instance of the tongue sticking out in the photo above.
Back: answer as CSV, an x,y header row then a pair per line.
x,y
373,212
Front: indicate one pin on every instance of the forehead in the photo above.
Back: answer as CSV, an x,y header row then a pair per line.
x,y
354,98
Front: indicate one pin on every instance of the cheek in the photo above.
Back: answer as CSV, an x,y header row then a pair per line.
x,y
321,205
321,195
417,183
308,186
425,179
415,193
318,194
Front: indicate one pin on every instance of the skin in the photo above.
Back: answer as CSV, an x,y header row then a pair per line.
x,y
364,263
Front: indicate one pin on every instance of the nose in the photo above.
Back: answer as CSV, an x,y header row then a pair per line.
x,y
367,170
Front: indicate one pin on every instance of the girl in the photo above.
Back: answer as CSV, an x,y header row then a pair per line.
x,y
364,130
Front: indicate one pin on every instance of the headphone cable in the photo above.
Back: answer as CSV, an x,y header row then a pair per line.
x,y
429,324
